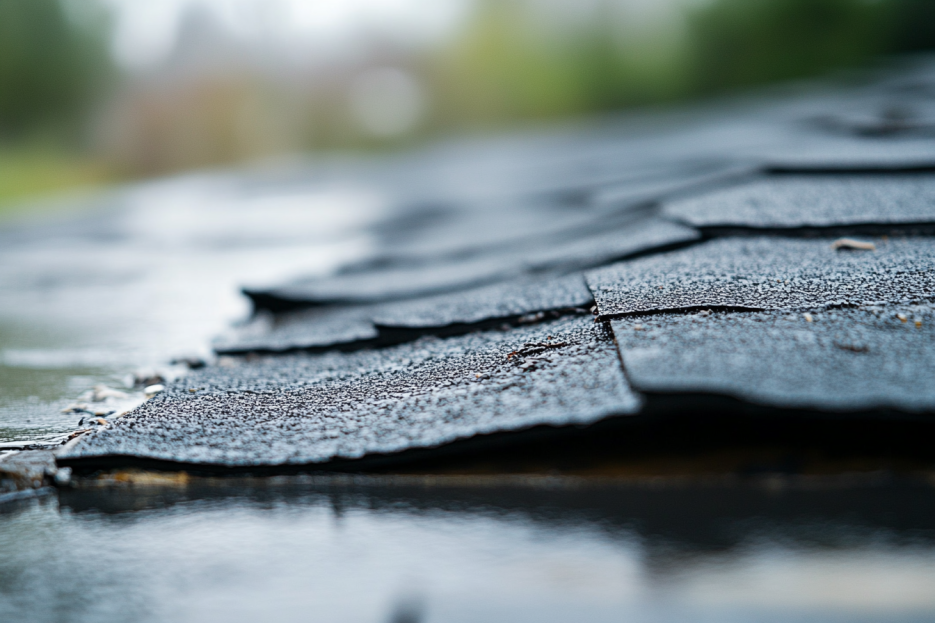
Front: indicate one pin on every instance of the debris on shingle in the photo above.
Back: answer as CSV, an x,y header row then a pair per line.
x,y
761,273
837,360
809,201
311,409
853,245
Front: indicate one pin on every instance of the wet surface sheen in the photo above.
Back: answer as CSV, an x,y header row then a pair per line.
x,y
552,551
790,523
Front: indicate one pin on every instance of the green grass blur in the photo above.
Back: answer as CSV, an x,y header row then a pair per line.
x,y
53,67
28,171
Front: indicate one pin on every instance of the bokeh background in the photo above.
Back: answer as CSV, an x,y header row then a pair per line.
x,y
102,91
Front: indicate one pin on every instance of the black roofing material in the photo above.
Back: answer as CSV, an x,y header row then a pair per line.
x,y
892,120
309,329
798,202
900,105
762,273
880,358
524,299
607,243
599,243
311,409
464,231
382,284
813,152
502,301
492,238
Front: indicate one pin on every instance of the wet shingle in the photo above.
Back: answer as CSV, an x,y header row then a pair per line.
x,y
599,242
607,243
302,409
521,299
788,202
767,273
812,151
315,328
505,300
384,283
839,360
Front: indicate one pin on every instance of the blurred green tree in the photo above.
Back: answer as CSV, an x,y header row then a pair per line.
x,y
737,43
512,62
912,26
53,62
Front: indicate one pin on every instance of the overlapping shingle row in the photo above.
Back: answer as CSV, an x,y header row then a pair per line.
x,y
611,268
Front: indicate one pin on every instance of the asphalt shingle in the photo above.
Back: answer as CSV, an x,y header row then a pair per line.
x,y
602,241
501,301
761,273
837,360
310,329
522,299
812,201
311,409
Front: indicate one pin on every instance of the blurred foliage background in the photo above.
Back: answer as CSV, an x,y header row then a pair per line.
x,y
95,91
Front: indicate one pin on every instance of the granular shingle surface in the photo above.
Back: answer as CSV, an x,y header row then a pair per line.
x,y
812,151
767,273
517,297
608,243
813,201
601,241
340,326
318,327
841,360
715,209
391,283
301,409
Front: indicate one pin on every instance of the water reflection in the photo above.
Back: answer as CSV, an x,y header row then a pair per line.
x,y
390,549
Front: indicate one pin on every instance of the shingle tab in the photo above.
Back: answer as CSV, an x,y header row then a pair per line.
x,y
608,243
385,283
767,273
603,240
788,202
838,360
508,299
358,326
315,328
304,409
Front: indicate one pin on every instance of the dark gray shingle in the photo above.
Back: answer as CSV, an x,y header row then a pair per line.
x,y
508,299
301,409
767,273
315,328
813,201
843,360
602,241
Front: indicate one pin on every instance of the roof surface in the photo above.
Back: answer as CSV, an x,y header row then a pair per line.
x,y
563,281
